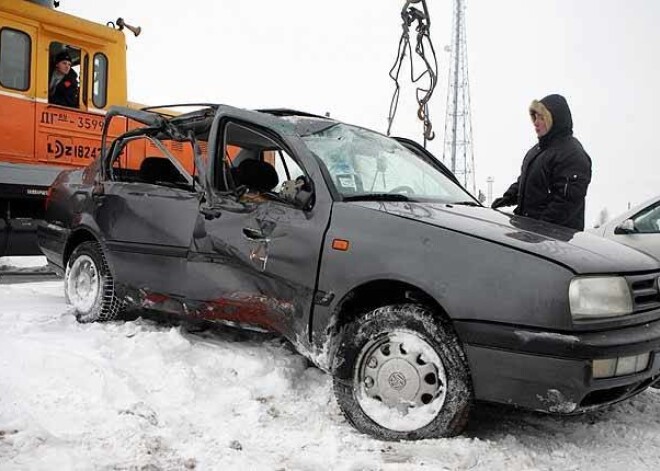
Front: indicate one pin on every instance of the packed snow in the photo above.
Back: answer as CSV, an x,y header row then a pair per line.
x,y
150,394
35,264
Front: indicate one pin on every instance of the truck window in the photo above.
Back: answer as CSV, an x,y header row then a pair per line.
x,y
15,50
63,80
100,86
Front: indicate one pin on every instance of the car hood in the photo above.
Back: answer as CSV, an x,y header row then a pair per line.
x,y
581,252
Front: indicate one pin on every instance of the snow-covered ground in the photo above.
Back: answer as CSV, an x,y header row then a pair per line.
x,y
146,395
35,264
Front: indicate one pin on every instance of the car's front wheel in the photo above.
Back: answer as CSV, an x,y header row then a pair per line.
x,y
89,285
401,374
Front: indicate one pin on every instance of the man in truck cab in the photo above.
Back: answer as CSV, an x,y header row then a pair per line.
x,y
63,85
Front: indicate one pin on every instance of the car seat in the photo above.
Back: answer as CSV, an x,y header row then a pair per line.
x,y
159,169
256,175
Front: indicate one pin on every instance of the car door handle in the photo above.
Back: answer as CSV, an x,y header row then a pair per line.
x,y
210,213
253,234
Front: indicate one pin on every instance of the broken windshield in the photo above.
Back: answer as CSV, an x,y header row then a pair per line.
x,y
364,164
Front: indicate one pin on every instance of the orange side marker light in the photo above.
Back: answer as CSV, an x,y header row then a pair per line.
x,y
340,244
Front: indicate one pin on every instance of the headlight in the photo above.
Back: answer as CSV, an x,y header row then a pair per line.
x,y
598,297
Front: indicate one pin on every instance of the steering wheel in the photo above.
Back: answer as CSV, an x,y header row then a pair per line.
x,y
405,189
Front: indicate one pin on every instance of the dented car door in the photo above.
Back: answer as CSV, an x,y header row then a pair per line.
x,y
256,262
147,229
252,265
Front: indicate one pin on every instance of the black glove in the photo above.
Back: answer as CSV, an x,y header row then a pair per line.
x,y
500,202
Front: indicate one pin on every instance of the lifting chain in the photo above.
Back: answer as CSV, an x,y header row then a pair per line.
x,y
411,15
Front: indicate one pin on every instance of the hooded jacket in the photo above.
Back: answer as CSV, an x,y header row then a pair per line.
x,y
66,91
555,173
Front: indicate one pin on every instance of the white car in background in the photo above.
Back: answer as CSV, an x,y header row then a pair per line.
x,y
638,227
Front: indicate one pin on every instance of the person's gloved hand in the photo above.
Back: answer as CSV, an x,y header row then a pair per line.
x,y
500,202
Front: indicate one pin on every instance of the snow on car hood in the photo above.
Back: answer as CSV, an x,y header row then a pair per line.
x,y
580,251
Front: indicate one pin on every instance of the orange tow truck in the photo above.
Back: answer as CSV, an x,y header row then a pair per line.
x,y
38,139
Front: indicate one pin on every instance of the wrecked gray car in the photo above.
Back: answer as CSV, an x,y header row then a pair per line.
x,y
367,254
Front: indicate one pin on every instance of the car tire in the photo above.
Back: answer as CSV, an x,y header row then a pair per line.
x,y
400,374
89,285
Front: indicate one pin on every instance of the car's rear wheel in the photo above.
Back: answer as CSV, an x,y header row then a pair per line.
x,y
401,374
89,286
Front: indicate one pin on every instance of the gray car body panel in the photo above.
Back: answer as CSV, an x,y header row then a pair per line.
x,y
387,246
580,252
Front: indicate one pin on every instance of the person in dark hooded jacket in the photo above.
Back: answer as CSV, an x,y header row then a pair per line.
x,y
555,173
63,85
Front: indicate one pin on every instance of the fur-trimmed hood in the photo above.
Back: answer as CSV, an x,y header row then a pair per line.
x,y
538,108
554,109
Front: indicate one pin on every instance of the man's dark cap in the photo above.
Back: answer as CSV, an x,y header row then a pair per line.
x,y
62,56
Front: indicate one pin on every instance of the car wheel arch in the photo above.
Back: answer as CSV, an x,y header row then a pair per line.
x,y
76,238
374,294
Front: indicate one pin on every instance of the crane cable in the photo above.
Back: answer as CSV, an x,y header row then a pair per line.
x,y
411,15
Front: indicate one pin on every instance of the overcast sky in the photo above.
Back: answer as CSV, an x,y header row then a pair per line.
x,y
335,56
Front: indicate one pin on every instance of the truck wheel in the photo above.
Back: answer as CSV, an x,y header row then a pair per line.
x,y
401,374
89,286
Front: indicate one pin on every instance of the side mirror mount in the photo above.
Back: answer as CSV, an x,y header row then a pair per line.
x,y
98,189
298,191
210,212
304,199
239,191
626,227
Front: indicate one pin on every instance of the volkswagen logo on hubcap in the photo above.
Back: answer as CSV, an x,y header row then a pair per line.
x,y
397,381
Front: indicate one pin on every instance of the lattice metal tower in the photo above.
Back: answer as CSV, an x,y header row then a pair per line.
x,y
458,153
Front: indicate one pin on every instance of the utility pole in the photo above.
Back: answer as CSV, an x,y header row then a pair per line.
x,y
458,153
490,181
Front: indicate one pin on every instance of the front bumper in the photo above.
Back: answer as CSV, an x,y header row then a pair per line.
x,y
552,372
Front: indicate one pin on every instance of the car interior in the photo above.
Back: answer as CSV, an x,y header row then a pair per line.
x,y
159,170
256,175
254,160
155,169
